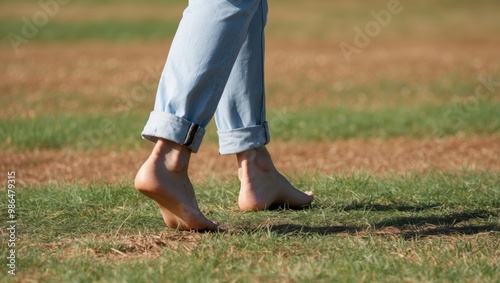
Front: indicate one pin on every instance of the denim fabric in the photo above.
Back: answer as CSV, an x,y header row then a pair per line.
x,y
215,66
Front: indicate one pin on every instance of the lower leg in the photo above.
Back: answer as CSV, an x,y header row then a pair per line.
x,y
263,186
163,178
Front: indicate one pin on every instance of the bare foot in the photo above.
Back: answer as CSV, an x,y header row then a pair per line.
x,y
262,186
163,178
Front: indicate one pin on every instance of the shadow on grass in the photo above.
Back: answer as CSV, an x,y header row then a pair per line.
x,y
385,207
407,227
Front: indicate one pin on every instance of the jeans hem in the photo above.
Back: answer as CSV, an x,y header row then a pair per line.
x,y
242,139
176,129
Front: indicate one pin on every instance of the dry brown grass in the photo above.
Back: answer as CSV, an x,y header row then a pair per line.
x,y
104,78
317,74
97,78
121,246
126,247
398,155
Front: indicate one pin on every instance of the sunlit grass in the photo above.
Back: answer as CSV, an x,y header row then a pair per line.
x,y
321,124
438,227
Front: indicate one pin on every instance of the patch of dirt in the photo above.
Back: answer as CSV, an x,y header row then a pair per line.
x,y
397,155
121,246
125,245
107,77
384,75
97,78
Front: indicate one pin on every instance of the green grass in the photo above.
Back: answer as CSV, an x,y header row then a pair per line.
x,y
100,31
76,132
299,20
424,121
419,227
123,130
439,227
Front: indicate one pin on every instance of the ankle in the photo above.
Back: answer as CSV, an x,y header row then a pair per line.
x,y
258,158
174,156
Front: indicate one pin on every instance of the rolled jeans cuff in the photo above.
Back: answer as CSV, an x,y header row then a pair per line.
x,y
242,139
170,127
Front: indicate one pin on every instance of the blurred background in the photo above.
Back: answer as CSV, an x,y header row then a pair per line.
x,y
81,76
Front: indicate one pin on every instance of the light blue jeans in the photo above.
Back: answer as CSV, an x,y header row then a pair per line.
x,y
215,66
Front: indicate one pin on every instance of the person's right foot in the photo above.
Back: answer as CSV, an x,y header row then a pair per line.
x,y
163,178
262,186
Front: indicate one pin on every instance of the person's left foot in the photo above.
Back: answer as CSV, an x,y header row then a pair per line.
x,y
262,186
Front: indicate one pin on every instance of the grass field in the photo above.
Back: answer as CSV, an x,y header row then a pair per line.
x,y
400,143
